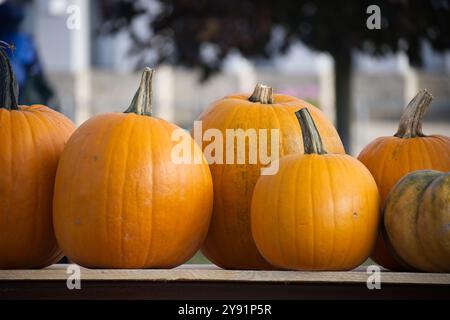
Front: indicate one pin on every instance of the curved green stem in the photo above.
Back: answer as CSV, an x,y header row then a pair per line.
x,y
410,125
312,142
9,90
142,100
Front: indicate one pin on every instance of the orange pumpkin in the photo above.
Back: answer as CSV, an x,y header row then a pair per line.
x,y
390,158
122,201
229,243
31,141
319,212
417,221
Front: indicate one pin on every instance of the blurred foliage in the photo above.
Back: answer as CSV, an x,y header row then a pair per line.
x,y
200,33
181,28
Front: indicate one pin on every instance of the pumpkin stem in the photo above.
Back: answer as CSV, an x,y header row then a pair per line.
x,y
142,100
312,142
411,120
9,90
262,94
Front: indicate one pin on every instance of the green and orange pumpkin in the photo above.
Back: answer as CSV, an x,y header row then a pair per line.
x,y
417,221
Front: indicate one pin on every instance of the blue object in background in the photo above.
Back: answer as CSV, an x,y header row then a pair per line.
x,y
33,86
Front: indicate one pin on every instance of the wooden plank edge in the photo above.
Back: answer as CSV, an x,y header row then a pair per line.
x,y
219,275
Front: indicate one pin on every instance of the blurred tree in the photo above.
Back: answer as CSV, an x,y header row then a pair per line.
x,y
202,32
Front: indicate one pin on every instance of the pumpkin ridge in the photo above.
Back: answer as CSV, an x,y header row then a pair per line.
x,y
367,200
59,122
333,210
429,147
388,157
125,169
74,174
416,218
433,182
443,140
277,201
148,253
280,135
166,130
47,125
111,150
409,151
293,214
427,159
439,147
231,119
158,150
313,206
155,149
240,119
35,209
349,246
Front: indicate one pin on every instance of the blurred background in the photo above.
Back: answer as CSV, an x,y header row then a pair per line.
x,y
359,61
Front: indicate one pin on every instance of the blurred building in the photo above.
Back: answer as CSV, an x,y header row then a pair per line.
x,y
94,73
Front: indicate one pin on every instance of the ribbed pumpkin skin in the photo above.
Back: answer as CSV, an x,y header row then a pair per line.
x,y
120,201
319,212
417,221
31,142
229,243
391,158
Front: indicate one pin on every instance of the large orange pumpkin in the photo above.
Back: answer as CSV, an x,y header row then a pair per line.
x,y
229,243
390,158
122,200
31,141
417,221
319,212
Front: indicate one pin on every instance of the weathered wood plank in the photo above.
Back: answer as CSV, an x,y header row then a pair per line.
x,y
209,273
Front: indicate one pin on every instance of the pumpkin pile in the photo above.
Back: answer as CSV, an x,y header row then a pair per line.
x,y
110,194
391,158
229,243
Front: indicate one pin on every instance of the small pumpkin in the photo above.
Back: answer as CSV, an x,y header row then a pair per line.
x,y
417,221
229,243
319,212
391,158
121,199
31,141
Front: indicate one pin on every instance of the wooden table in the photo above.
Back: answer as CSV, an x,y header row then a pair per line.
x,y
209,282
